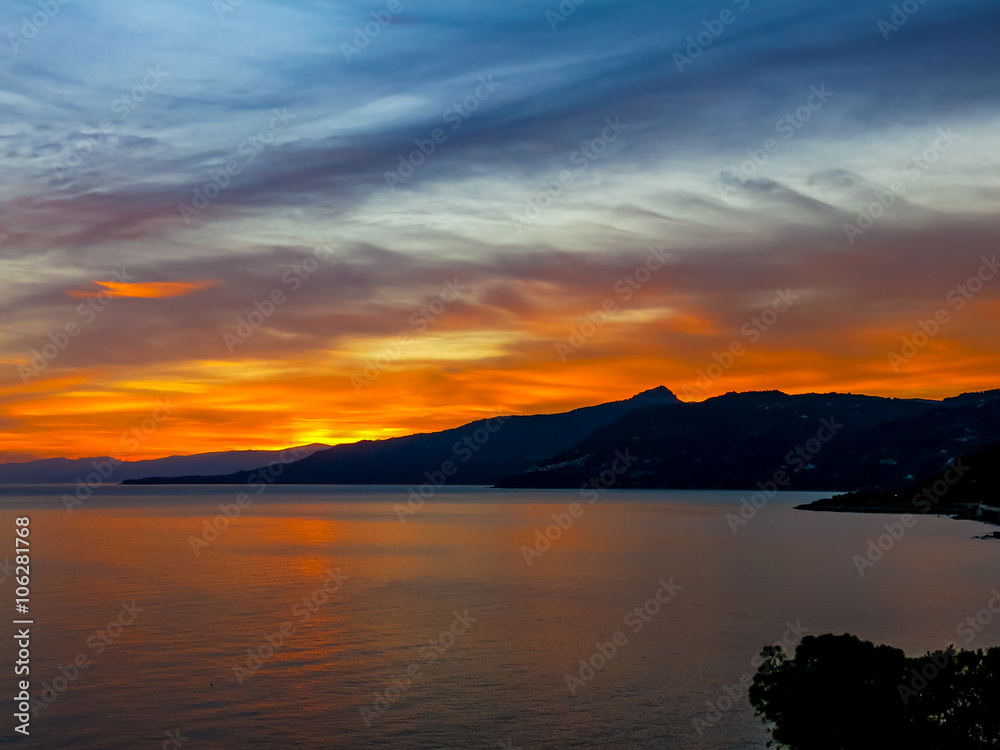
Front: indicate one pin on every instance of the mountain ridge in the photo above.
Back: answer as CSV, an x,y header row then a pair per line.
x,y
731,441
68,470
734,440
407,459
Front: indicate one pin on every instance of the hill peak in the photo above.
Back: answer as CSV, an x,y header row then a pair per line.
x,y
659,395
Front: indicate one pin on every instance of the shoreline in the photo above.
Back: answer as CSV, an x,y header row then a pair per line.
x,y
957,515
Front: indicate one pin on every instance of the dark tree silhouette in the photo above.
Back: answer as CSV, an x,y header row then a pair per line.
x,y
840,692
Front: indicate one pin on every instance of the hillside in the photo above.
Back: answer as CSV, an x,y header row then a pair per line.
x,y
482,452
970,480
69,470
736,440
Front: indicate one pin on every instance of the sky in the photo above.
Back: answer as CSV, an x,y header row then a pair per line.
x,y
229,225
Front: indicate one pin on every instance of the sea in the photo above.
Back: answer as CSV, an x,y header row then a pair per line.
x,y
371,617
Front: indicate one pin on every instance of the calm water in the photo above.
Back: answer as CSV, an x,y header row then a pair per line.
x,y
501,681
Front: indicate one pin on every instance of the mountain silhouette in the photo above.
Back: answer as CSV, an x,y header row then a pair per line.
x,y
822,442
738,439
482,452
69,470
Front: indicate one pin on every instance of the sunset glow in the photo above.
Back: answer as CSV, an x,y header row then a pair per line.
x,y
149,290
291,267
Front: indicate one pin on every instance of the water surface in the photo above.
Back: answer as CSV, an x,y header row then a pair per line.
x,y
501,682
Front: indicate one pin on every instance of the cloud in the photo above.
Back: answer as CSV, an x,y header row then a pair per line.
x,y
149,289
77,205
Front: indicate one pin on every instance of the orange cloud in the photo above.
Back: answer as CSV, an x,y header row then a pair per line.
x,y
150,289
275,404
496,348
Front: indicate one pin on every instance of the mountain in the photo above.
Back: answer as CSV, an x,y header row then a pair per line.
x,y
970,480
812,441
819,441
481,452
68,471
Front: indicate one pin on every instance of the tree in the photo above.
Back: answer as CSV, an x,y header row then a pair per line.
x,y
842,692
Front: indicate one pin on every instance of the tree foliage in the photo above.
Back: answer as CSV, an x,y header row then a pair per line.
x,y
841,692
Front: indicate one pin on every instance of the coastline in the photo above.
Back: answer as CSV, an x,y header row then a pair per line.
x,y
962,513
